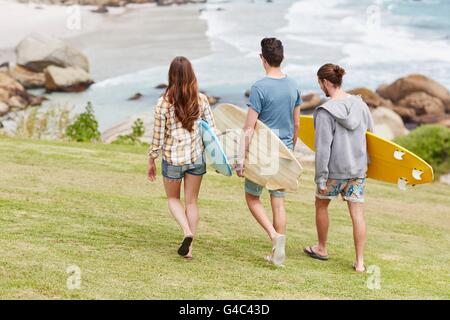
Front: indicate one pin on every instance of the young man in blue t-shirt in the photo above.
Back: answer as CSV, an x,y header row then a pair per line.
x,y
275,100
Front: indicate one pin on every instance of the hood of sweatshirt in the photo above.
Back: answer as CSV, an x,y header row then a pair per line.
x,y
347,111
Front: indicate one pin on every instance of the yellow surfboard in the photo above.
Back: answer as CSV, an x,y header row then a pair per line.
x,y
389,162
269,162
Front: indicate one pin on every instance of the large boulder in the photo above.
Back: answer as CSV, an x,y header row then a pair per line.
x,y
423,104
4,108
387,123
27,78
403,87
310,101
13,94
372,99
71,79
407,114
38,51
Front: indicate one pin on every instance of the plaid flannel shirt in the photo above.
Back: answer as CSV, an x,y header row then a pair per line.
x,y
178,145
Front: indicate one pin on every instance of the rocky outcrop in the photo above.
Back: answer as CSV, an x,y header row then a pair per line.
x,y
27,78
416,107
38,51
161,86
405,86
14,95
71,79
4,108
101,9
212,99
372,99
136,96
426,108
310,101
387,123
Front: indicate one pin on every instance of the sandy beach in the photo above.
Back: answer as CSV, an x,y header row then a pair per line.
x,y
123,41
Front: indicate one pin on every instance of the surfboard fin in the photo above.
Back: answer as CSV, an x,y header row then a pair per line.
x,y
398,154
417,174
402,183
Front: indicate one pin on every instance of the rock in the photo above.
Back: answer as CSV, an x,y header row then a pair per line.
x,y
310,101
161,86
101,9
126,127
445,179
136,96
4,108
29,79
387,123
71,79
407,114
4,67
423,104
372,99
38,51
14,94
427,119
213,100
414,83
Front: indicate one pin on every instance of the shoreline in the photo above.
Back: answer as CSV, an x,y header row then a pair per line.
x,y
146,30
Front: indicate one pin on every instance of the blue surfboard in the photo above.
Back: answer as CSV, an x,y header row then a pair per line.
x,y
215,156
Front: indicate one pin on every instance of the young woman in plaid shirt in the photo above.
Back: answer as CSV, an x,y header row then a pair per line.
x,y
177,135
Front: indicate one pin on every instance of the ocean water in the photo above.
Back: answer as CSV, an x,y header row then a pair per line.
x,y
376,41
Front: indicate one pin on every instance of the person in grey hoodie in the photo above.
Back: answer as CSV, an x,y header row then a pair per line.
x,y
341,159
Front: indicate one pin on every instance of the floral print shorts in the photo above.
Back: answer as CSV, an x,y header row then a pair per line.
x,y
350,189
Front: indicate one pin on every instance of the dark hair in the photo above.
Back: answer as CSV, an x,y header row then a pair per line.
x,y
331,72
182,92
272,50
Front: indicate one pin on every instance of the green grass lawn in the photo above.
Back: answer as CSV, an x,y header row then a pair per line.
x,y
64,204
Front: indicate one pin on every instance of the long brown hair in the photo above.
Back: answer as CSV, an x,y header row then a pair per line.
x,y
182,92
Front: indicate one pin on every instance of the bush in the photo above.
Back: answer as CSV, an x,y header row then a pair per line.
x,y
85,127
133,138
432,144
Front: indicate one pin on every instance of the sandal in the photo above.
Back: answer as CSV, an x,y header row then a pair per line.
x,y
185,245
354,268
314,254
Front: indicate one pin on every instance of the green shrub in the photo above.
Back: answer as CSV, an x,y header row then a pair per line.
x,y
85,127
134,137
432,144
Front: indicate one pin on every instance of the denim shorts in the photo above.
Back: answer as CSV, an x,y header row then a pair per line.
x,y
350,189
173,172
255,190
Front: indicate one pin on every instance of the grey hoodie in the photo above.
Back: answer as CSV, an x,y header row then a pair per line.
x,y
341,149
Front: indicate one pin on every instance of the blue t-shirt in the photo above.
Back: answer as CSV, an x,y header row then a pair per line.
x,y
275,100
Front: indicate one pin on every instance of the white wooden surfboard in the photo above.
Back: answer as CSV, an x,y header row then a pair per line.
x,y
269,162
